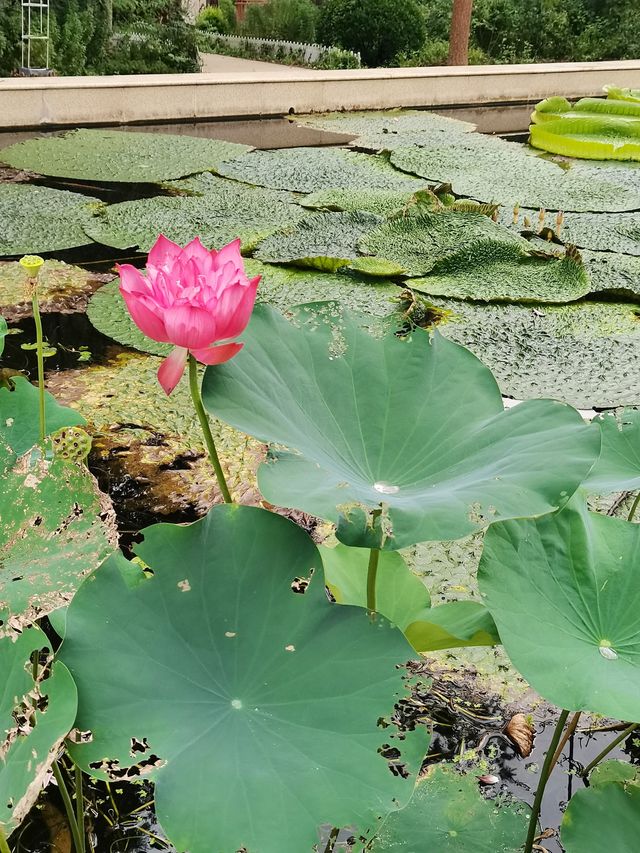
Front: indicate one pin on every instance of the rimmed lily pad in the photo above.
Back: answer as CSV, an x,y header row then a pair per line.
x,y
613,272
37,220
602,817
618,467
563,592
403,598
375,423
3,332
302,713
448,814
306,170
62,288
380,202
35,716
219,212
114,155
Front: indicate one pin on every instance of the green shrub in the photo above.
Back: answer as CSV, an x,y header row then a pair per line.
x,y
290,20
377,29
213,18
9,37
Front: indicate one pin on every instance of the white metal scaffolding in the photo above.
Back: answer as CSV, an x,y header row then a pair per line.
x,y
35,37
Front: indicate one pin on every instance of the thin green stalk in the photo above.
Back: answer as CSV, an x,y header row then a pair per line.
x,y
78,842
569,731
634,507
40,355
4,844
80,806
372,573
625,734
206,429
542,784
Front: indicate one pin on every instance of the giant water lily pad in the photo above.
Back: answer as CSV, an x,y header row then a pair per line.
x,y
35,716
306,170
614,272
618,468
325,241
492,170
61,287
221,211
403,598
584,353
564,594
294,727
114,155
381,202
599,232
448,814
36,220
374,423
603,817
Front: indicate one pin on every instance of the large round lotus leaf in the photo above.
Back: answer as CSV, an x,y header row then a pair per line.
x,y
306,170
258,711
618,468
379,129
19,419
376,423
35,716
114,155
448,814
36,220
109,314
61,288
417,242
585,353
326,241
604,817
614,272
492,170
225,210
613,771
382,202
564,594
404,599
500,272
56,528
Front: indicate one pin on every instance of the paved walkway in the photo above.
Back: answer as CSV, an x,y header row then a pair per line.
x,y
215,63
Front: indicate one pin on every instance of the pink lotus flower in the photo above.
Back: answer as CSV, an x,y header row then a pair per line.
x,y
192,298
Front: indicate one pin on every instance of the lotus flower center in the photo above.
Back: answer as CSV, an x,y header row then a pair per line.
x,y
606,651
236,703
386,488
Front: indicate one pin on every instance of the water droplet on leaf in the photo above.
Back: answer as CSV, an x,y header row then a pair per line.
x,y
386,488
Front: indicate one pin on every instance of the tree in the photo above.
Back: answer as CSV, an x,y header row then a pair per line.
x,y
377,29
460,32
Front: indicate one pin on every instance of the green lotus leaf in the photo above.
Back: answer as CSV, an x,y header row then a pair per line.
x,y
376,130
585,353
420,241
56,527
492,170
587,136
613,771
109,314
503,272
307,170
3,332
564,594
618,468
448,814
404,600
380,202
325,241
31,737
19,420
222,211
216,655
115,155
604,817
62,288
36,220
374,423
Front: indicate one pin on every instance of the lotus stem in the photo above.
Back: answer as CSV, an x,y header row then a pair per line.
x,y
4,845
80,806
206,429
78,841
565,737
40,357
542,784
622,736
372,572
634,507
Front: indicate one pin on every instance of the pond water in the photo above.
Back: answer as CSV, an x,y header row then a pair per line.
x,y
123,818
